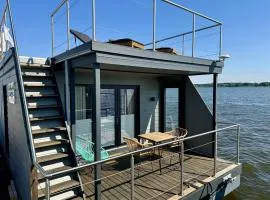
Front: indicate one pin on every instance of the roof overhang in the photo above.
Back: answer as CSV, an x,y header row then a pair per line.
x,y
121,58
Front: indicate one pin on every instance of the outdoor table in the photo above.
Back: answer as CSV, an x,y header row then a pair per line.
x,y
157,138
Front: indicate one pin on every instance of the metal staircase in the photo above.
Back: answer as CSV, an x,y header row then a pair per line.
x,y
53,147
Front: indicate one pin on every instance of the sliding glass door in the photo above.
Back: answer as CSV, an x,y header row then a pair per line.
x,y
119,107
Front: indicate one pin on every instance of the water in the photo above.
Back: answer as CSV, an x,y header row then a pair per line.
x,y
249,107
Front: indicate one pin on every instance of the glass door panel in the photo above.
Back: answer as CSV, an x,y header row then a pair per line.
x,y
107,117
171,108
83,111
127,112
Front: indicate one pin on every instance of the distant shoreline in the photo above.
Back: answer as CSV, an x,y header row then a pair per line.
x,y
262,84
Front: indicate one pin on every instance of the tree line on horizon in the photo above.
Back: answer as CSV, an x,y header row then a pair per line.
x,y
262,84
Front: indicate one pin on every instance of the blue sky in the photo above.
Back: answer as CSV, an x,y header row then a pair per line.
x,y
246,32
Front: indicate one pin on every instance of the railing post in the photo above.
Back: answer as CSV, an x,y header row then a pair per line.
x,y
94,20
183,45
154,23
215,82
68,25
220,40
193,34
47,189
238,144
52,29
132,176
182,168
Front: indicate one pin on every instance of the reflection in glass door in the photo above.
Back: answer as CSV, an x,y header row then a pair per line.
x,y
118,107
107,117
171,108
127,106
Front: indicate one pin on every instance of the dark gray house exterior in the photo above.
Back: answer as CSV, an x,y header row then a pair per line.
x,y
103,92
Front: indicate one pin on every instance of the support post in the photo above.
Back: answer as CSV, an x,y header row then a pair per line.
x,y
154,23
238,144
68,25
48,189
182,169
220,40
215,77
94,20
183,45
72,126
193,34
67,93
97,130
132,176
52,29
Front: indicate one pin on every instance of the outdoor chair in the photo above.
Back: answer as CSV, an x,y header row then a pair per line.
x,y
85,148
180,133
133,145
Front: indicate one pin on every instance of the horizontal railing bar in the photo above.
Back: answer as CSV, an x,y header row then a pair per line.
x,y
138,151
182,34
191,11
58,7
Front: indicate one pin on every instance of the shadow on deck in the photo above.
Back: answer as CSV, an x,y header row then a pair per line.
x,y
150,183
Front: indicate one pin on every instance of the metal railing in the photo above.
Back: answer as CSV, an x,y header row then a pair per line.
x,y
49,177
7,15
154,12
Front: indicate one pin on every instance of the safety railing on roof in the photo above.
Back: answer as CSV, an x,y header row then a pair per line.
x,y
154,41
11,43
182,152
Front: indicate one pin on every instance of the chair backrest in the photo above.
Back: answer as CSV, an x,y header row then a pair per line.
x,y
178,132
132,144
85,144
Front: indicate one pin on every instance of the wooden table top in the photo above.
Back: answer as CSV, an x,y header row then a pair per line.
x,y
157,137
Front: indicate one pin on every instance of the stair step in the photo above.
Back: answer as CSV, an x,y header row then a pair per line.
x,y
40,95
36,75
27,65
46,118
43,106
48,130
59,169
50,143
68,185
52,157
39,85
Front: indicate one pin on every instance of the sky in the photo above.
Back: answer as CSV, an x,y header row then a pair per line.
x,y
246,29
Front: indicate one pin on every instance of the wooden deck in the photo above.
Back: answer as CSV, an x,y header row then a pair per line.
x,y
149,182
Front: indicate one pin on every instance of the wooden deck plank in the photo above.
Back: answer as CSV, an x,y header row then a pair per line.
x,y
150,183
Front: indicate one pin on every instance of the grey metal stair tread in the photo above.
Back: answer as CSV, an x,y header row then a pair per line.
x,y
48,130
46,118
36,75
59,169
50,143
40,95
68,185
39,85
43,106
32,65
52,157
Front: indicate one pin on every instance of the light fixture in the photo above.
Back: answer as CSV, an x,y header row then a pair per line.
x,y
223,57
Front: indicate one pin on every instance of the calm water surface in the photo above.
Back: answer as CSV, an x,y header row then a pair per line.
x,y
249,107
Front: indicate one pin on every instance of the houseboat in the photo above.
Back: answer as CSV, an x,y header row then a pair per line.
x,y
114,119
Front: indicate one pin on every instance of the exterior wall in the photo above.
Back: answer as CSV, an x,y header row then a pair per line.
x,y
149,87
198,119
19,154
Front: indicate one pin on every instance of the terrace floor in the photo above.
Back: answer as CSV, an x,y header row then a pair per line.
x,y
149,182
